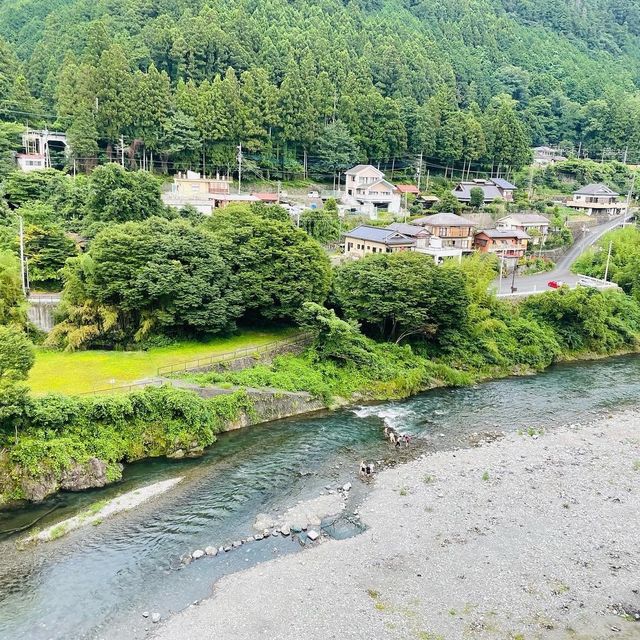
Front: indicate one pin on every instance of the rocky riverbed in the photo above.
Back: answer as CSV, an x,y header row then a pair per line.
x,y
534,535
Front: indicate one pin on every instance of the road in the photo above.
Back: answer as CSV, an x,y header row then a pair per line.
x,y
562,270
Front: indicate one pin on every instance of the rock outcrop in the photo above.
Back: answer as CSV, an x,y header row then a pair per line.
x,y
78,477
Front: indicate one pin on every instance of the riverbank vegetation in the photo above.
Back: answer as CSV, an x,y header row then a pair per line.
x,y
622,266
77,443
453,333
384,327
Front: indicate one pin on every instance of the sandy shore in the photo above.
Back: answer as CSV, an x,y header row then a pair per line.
x,y
531,536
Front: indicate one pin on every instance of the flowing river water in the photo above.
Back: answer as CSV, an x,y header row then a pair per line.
x,y
97,582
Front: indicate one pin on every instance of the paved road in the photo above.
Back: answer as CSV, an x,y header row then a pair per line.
x,y
562,270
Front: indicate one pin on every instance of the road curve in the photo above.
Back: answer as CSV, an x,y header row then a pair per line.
x,y
562,270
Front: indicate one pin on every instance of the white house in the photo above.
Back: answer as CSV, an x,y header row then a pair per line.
x,y
30,161
37,148
367,186
597,199
534,224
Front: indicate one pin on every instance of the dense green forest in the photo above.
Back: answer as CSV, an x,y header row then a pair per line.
x,y
473,81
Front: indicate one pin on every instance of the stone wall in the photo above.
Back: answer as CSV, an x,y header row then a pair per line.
x,y
274,404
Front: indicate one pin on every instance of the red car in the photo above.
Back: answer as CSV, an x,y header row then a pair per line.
x,y
555,284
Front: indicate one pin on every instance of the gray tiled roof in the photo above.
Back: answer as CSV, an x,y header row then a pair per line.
x,y
526,218
444,220
463,191
378,234
410,230
505,233
503,184
360,167
596,189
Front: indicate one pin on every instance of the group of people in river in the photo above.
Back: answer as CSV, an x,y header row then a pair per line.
x,y
396,439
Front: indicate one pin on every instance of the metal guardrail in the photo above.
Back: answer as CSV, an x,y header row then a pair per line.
x,y
123,388
199,363
44,298
229,356
597,283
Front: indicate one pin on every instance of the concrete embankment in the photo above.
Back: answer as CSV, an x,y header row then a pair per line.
x,y
532,536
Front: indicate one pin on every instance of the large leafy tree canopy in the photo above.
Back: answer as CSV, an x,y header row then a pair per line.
x,y
277,267
188,79
402,295
156,276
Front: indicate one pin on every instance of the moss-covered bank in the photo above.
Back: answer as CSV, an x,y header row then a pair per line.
x,y
71,443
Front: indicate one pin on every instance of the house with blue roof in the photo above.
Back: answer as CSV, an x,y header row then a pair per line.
x,y
365,240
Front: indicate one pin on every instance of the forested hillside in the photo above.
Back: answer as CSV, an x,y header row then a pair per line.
x,y
461,81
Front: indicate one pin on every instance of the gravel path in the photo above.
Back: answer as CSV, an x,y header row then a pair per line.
x,y
531,536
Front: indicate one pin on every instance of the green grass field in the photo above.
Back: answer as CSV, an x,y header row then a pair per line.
x,y
85,371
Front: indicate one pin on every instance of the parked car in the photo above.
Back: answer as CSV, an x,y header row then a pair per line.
x,y
555,284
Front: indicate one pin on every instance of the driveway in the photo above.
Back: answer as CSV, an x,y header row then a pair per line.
x,y
562,270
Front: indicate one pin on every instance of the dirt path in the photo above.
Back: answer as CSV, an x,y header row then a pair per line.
x,y
532,536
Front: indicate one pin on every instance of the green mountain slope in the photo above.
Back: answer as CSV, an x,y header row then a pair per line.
x,y
572,66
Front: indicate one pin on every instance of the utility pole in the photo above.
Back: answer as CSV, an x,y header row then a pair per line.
x,y
626,213
22,267
419,171
427,187
530,182
239,167
606,271
122,151
279,185
501,270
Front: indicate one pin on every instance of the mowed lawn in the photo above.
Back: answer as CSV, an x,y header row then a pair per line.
x,y
84,371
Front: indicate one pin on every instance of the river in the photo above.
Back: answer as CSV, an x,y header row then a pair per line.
x,y
97,582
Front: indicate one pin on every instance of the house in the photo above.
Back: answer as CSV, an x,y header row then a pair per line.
x,y
409,189
426,243
360,176
365,240
509,244
453,230
30,161
367,186
544,156
192,184
596,199
534,224
204,194
38,146
419,234
492,189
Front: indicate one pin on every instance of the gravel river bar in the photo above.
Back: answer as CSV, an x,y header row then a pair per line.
x,y
535,535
